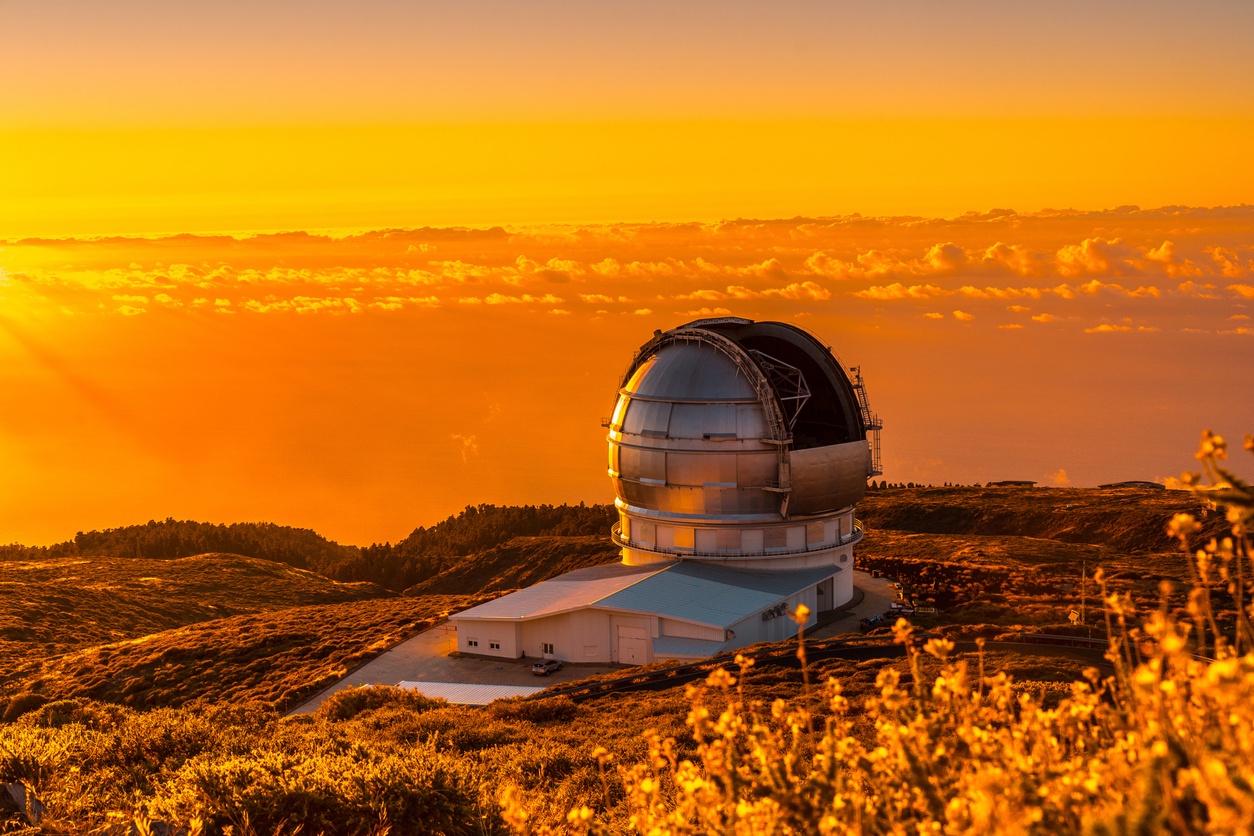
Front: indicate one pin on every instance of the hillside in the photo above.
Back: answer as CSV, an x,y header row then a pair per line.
x,y
50,606
273,658
422,555
1129,520
996,559
521,562
177,715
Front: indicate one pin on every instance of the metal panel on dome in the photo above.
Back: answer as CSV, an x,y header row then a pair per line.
x,y
705,420
751,421
697,469
828,478
642,464
647,418
692,372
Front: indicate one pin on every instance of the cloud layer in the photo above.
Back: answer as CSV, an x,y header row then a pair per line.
x,y
1167,268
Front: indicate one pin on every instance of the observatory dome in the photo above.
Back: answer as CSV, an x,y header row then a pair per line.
x,y
740,442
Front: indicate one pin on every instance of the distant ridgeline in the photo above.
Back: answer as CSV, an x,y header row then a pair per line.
x,y
422,555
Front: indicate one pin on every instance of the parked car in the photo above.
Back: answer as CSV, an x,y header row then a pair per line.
x,y
545,667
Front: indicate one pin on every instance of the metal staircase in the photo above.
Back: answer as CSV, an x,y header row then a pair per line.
x,y
870,421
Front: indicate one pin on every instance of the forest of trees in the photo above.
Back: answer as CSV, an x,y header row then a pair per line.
x,y
423,554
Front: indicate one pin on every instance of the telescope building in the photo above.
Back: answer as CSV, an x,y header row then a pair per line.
x,y
738,451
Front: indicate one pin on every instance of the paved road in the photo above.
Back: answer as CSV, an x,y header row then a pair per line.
x,y
877,596
425,657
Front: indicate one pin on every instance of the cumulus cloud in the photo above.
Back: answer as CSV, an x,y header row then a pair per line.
x,y
796,291
1245,291
1014,259
1107,328
946,258
305,305
899,291
1002,293
1173,265
1228,262
963,316
1095,257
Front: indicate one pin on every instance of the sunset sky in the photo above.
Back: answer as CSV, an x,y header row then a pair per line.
x,y
355,266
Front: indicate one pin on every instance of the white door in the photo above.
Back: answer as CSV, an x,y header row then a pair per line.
x,y
632,647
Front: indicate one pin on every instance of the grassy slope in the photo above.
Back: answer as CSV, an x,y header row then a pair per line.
x,y
51,606
148,633
277,658
521,562
1007,557
1126,519
545,748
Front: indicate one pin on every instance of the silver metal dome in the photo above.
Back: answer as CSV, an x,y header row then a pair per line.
x,y
739,442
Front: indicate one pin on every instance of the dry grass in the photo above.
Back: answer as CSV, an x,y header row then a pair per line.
x,y
48,607
521,562
937,741
1128,520
275,658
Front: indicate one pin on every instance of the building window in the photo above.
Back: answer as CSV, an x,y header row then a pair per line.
x,y
472,642
494,645
548,648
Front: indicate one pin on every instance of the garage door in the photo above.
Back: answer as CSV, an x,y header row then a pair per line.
x,y
632,645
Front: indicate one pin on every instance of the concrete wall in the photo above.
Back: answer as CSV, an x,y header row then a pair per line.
x,y
580,636
477,636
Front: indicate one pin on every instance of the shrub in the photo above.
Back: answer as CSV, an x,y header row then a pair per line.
x,y
549,710
20,704
348,703
318,792
87,713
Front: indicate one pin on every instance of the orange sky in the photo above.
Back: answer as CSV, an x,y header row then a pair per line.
x,y
363,382
363,385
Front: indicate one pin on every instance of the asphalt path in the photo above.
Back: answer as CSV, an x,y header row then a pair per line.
x,y
425,658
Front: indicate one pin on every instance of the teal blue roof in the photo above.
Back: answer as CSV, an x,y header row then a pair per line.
x,y
710,594
701,593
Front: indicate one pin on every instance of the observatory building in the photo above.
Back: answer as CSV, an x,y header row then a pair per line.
x,y
738,451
